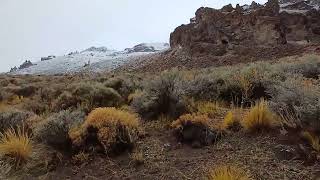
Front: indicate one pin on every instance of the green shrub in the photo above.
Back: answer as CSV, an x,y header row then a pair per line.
x,y
309,67
64,101
36,106
25,90
88,96
4,82
163,95
54,130
125,84
299,97
13,118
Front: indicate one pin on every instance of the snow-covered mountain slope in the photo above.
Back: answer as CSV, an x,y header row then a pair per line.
x,y
94,59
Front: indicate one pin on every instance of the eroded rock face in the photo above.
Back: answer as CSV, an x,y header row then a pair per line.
x,y
217,32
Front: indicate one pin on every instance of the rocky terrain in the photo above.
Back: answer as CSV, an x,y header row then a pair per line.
x,y
241,34
235,97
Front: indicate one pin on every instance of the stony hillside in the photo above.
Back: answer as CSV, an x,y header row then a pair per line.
x,y
241,34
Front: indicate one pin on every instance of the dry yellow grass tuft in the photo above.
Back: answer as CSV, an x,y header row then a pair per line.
x,y
16,144
203,107
111,124
228,173
312,139
232,120
259,117
206,107
201,119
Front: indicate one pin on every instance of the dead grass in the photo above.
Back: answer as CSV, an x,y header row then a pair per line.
x,y
202,119
80,158
137,158
313,140
232,120
16,144
206,107
111,124
227,173
259,117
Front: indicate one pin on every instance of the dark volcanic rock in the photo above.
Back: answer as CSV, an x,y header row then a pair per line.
x,y
26,64
217,32
227,8
197,135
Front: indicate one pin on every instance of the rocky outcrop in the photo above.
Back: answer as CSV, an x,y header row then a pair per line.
x,y
14,69
231,30
96,49
26,64
148,47
47,58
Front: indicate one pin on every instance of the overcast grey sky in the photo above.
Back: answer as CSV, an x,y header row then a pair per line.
x,y
33,28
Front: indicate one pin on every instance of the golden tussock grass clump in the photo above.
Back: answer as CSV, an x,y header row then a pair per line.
x,y
206,107
312,139
16,144
201,119
259,117
203,107
112,125
232,120
228,173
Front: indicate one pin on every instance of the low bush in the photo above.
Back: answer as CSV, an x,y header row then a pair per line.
x,y
113,130
16,145
36,106
24,90
65,101
4,82
88,96
259,117
309,67
228,173
54,130
163,95
124,84
299,97
12,119
134,95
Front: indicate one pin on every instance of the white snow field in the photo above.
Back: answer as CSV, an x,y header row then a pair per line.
x,y
92,59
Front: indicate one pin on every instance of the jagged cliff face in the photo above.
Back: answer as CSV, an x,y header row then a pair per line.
x,y
217,32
